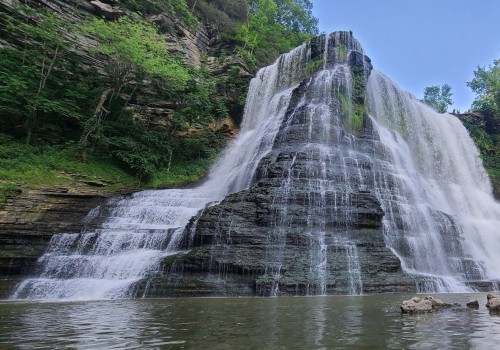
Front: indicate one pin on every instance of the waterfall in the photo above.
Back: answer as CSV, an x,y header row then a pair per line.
x,y
441,219
333,152
142,229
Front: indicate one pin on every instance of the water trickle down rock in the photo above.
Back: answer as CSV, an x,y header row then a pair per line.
x,y
310,222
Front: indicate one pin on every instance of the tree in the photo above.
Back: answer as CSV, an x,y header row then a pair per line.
x,y
438,97
486,84
43,94
136,53
275,27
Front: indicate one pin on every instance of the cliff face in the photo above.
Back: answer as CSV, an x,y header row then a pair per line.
x,y
28,222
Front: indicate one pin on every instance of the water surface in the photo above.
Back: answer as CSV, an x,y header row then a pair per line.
x,y
366,322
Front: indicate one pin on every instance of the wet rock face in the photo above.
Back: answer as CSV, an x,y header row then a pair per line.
x,y
310,223
275,238
28,222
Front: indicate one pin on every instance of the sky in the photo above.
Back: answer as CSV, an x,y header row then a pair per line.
x,y
419,43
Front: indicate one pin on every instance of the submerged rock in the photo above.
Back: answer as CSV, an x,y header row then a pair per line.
x,y
493,302
473,304
425,304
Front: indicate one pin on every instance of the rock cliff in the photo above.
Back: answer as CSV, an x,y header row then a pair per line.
x,y
28,222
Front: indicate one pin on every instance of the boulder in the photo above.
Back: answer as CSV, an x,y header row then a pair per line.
x,y
493,302
425,304
473,304
106,10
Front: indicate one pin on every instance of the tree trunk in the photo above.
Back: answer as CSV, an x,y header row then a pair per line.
x,y
99,114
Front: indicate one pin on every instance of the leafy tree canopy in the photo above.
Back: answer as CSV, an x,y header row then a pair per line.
x,y
438,97
275,27
486,84
136,49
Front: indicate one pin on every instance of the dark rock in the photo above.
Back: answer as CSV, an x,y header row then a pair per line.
x,y
473,304
28,222
106,10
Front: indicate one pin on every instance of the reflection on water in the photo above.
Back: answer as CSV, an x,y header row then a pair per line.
x,y
368,322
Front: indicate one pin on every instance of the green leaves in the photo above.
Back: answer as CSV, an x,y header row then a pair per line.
x,y
438,97
275,27
40,84
486,84
136,50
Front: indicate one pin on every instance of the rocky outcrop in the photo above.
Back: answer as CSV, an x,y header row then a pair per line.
x,y
106,10
493,303
28,222
421,305
474,304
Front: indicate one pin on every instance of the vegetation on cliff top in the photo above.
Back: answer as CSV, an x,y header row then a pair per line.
x,y
484,121
63,119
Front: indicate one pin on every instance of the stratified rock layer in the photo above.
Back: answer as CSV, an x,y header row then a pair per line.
x,y
28,222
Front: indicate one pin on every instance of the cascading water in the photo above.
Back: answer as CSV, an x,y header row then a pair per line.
x,y
441,219
311,174
141,230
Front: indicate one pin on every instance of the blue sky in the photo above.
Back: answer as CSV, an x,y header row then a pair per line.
x,y
418,43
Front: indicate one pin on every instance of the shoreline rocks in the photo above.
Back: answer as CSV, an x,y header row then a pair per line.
x,y
421,305
431,304
493,303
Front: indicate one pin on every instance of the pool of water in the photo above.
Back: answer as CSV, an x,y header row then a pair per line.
x,y
335,322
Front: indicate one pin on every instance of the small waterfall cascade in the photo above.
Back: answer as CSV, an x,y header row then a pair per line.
x,y
337,179
440,217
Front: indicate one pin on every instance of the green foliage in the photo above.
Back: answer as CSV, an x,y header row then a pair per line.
x,y
342,52
313,66
484,130
486,84
176,8
136,53
275,27
42,90
136,50
201,102
232,88
438,97
58,165
358,107
8,190
49,165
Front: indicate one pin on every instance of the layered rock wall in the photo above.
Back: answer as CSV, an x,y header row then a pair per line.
x,y
28,222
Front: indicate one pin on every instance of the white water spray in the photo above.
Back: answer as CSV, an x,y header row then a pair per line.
x,y
441,218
